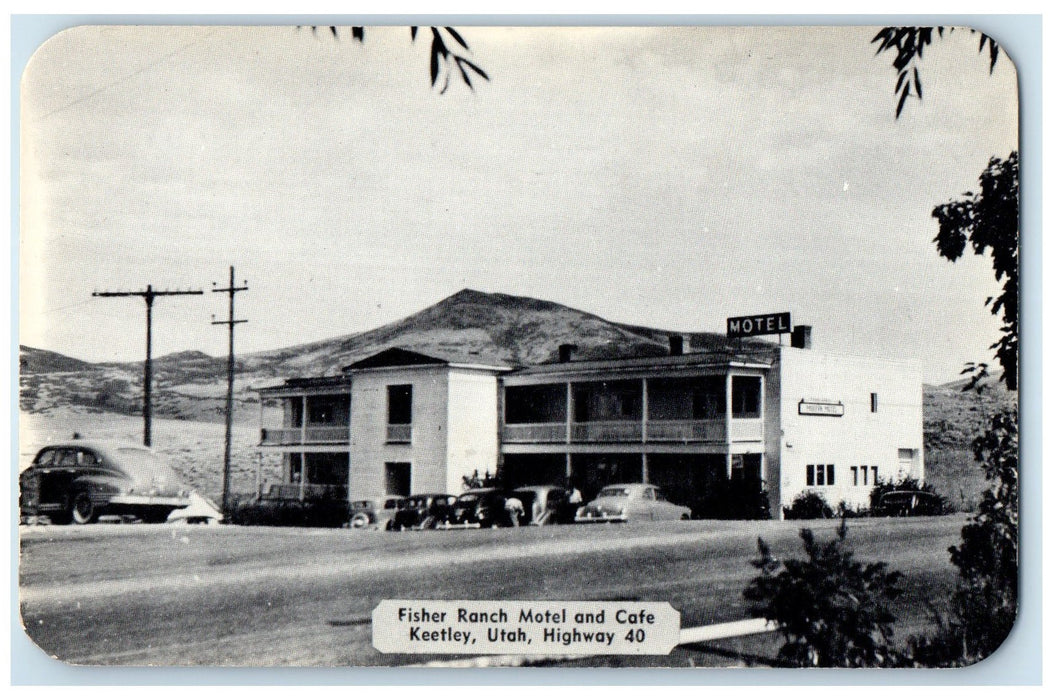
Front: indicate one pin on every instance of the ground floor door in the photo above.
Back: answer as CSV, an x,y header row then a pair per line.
x,y
397,478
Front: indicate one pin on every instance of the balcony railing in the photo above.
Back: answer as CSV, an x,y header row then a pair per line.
x,y
535,432
685,430
313,435
400,433
607,431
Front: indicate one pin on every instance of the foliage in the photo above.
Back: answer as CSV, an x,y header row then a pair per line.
x,y
475,481
941,505
444,55
832,610
989,220
909,44
733,500
809,505
985,603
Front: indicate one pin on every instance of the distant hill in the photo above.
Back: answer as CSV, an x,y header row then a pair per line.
x,y
35,360
496,327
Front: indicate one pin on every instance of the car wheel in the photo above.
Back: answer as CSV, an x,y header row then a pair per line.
x,y
685,516
82,510
359,521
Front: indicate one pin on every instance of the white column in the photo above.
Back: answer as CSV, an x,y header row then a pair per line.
x,y
644,409
303,441
727,421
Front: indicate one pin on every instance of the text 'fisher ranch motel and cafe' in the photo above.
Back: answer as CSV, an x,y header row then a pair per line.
x,y
754,421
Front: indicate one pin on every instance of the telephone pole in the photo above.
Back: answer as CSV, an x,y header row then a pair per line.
x,y
148,295
230,323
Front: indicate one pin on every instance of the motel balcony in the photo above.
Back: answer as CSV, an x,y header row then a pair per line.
x,y
308,435
712,431
716,409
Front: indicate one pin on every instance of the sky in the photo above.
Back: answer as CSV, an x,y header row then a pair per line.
x,y
668,177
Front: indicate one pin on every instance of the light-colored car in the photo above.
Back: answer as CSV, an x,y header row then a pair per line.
x,y
80,480
374,512
630,502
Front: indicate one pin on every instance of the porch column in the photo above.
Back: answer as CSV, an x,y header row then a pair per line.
x,y
643,468
259,475
303,441
350,443
570,410
643,418
727,423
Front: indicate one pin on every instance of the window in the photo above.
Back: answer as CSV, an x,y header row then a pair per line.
x,y
873,403
855,475
873,472
820,475
400,404
87,459
745,397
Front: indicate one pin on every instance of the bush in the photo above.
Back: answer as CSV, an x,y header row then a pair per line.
x,y
832,610
809,505
936,505
733,500
984,605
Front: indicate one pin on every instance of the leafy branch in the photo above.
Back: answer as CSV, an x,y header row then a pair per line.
x,y
445,59
909,45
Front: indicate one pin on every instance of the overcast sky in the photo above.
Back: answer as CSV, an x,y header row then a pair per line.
x,y
655,176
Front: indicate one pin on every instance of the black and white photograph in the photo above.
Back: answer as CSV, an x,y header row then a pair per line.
x,y
518,346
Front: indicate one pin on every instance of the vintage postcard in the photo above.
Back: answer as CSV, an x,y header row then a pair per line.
x,y
519,346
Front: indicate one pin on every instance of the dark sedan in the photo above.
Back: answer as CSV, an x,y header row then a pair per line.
x,y
81,480
480,508
422,511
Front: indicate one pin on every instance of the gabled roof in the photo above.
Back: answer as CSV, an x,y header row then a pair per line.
x,y
401,357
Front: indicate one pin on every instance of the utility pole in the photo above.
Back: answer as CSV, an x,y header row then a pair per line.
x,y
230,323
148,295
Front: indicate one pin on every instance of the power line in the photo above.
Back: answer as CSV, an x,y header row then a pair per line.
x,y
230,323
148,295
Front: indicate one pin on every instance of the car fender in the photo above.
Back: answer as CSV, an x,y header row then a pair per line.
x,y
100,488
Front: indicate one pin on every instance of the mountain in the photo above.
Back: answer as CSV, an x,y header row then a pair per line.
x,y
493,327
35,360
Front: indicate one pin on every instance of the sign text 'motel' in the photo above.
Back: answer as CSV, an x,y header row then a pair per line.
x,y
764,324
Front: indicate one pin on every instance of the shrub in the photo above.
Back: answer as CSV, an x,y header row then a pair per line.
x,y
984,605
832,610
809,505
937,505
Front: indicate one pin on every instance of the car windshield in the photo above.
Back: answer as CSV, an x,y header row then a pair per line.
x,y
468,498
613,492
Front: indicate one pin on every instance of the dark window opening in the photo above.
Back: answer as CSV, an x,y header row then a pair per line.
x,y
400,404
873,403
397,478
745,397
811,475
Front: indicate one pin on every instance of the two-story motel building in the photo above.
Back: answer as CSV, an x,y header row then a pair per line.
x,y
783,418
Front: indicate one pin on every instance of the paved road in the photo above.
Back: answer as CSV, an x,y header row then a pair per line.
x,y
186,595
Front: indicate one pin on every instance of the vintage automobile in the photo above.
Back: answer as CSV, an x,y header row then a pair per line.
x,y
630,502
545,505
483,507
374,513
293,505
80,480
422,511
909,503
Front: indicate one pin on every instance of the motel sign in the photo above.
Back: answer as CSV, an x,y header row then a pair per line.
x,y
765,324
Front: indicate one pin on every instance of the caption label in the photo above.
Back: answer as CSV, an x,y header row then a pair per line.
x,y
524,627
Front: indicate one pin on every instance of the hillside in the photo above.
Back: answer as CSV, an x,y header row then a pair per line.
x,y
496,327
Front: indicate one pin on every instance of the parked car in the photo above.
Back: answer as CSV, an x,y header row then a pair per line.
x,y
81,480
374,512
422,511
625,502
545,505
293,505
910,502
480,508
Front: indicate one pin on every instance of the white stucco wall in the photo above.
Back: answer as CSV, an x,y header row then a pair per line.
x,y
369,448
859,437
472,420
